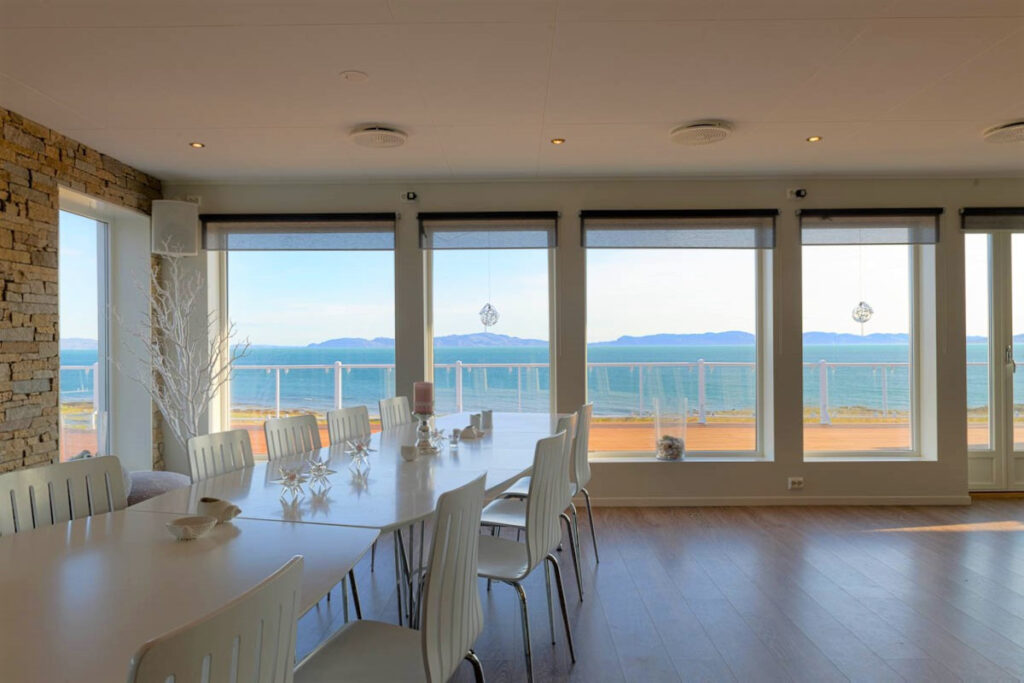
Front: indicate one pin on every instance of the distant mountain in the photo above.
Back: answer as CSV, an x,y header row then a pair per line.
x,y
78,344
823,338
732,338
484,339
354,343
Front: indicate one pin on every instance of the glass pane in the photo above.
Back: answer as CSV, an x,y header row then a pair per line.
x,y
672,332
1017,293
322,327
976,278
504,367
82,375
857,375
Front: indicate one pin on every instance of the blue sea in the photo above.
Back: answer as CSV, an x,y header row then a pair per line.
x,y
615,390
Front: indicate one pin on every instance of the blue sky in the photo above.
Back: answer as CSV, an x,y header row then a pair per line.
x,y
78,275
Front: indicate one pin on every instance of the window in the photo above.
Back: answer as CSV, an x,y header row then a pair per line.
x,y
977,297
859,328
314,295
501,259
674,344
82,292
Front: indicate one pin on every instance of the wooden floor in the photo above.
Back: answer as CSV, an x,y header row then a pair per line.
x,y
765,594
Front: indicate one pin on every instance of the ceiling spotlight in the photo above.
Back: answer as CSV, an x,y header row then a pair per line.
x,y
815,138
557,141
353,76
196,145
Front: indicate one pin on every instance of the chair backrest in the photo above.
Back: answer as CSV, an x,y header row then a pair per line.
x,y
213,454
345,424
581,449
567,424
43,496
549,482
452,618
394,411
251,639
291,435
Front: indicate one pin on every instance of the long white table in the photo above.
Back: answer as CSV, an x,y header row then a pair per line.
x,y
79,598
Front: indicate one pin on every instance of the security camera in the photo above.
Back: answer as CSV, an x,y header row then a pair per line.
x,y
798,193
410,196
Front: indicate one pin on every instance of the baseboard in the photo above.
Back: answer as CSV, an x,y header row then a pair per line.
x,y
748,501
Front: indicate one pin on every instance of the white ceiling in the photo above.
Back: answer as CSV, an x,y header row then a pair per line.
x,y
893,86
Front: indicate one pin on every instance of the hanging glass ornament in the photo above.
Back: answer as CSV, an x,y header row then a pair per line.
x,y
489,315
862,312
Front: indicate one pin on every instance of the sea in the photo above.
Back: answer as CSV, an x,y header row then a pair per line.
x,y
619,382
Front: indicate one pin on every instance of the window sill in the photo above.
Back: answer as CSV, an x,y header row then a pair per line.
x,y
620,458
866,457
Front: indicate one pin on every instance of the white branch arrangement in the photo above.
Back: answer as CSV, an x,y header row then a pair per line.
x,y
190,363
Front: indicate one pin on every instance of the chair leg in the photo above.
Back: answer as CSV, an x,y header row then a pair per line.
x,y
575,556
398,578
561,601
355,595
373,556
478,668
590,516
526,631
551,606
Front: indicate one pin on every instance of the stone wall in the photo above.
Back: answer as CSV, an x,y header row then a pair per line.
x,y
34,162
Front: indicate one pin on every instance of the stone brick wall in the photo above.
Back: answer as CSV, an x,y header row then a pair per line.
x,y
34,162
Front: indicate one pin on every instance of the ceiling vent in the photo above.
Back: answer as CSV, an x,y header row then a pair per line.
x,y
701,133
1010,132
378,136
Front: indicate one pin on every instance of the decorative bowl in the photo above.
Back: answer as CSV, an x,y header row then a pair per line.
x,y
191,528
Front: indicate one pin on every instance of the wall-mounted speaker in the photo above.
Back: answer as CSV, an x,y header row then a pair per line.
x,y
175,227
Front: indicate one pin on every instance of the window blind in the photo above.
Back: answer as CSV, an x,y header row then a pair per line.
x,y
993,218
299,232
683,229
869,226
489,230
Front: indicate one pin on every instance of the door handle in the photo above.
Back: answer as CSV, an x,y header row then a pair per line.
x,y
1009,358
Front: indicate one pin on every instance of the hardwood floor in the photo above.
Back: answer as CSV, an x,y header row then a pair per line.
x,y
763,594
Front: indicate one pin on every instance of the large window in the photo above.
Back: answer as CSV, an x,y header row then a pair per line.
x,y
490,358
977,298
859,327
673,328
318,311
82,292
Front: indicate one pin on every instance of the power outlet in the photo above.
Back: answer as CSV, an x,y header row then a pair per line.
x,y
795,483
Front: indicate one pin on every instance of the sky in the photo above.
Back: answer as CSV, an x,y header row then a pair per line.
x,y
78,276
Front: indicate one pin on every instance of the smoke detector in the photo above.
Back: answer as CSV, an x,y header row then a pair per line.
x,y
701,133
378,136
1009,132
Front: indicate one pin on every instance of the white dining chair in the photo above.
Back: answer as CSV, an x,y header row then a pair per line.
x,y
345,424
510,562
451,617
394,412
250,639
43,496
219,453
511,511
291,435
580,471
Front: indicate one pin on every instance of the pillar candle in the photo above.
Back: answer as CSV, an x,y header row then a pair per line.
x,y
423,398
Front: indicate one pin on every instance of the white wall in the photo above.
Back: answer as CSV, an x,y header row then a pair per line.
x,y
939,478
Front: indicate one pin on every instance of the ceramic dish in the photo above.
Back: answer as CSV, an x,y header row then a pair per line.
x,y
191,528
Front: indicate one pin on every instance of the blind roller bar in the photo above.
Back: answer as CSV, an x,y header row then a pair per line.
x,y
819,227
990,218
299,232
489,230
679,229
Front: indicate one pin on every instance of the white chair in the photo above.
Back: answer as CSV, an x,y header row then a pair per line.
x,y
510,562
394,412
291,435
450,621
580,470
250,639
219,453
44,496
345,424
511,511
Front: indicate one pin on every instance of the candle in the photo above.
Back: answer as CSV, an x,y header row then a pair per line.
x,y
423,398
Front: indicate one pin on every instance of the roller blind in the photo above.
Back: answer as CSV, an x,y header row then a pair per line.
x,y
684,229
993,218
869,226
299,232
489,230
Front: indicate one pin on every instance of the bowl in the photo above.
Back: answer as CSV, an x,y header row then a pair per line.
x,y
191,528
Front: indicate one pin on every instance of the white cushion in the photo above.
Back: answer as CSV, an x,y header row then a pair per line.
x,y
366,651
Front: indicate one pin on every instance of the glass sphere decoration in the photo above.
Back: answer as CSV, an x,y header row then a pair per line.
x,y
862,312
489,315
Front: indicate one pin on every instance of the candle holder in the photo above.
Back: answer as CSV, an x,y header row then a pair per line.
x,y
423,442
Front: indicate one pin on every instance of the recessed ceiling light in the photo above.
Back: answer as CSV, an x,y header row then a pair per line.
x,y
376,135
353,76
815,138
1009,132
557,141
196,145
699,133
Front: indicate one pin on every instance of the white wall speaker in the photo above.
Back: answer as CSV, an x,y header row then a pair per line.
x,y
175,227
